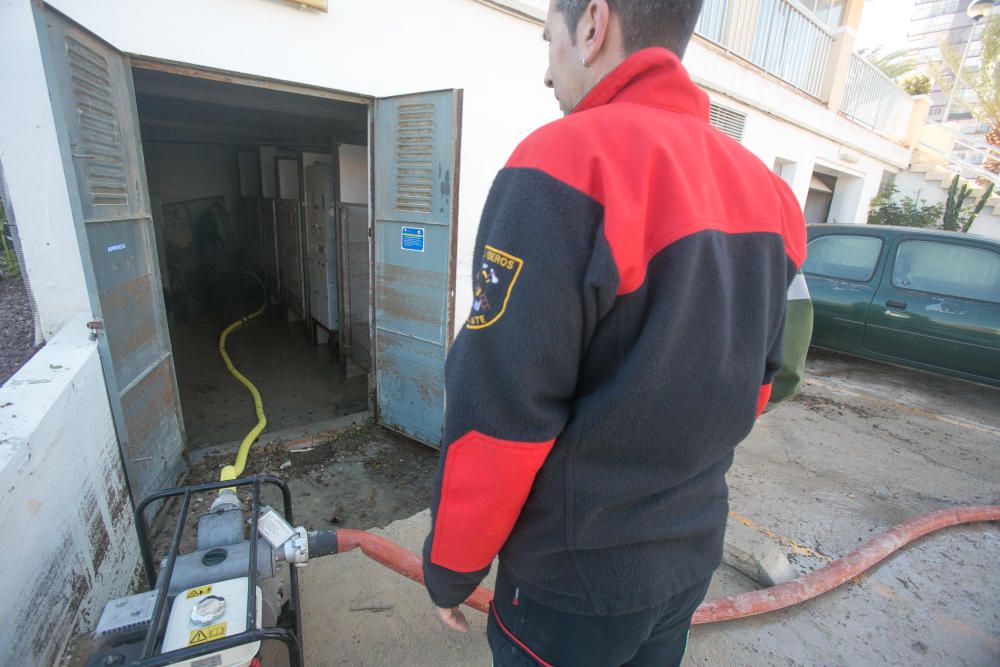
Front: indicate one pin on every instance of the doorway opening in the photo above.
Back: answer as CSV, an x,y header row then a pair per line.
x,y
260,196
821,190
835,195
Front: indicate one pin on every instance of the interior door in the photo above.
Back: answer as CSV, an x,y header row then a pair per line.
x,y
416,151
94,103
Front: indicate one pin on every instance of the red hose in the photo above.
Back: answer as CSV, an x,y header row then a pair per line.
x,y
804,588
841,570
396,558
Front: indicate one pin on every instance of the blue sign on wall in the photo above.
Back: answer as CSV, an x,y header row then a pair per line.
x,y
413,239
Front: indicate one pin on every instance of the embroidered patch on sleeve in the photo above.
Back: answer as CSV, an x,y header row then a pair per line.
x,y
494,280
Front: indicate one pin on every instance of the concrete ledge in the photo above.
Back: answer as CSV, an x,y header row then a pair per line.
x,y
42,382
70,540
756,555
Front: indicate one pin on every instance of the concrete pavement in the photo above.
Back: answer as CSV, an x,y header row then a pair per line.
x,y
864,447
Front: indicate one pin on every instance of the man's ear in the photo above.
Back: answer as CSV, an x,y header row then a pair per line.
x,y
592,31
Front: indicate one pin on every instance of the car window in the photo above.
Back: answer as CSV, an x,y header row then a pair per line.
x,y
843,256
948,268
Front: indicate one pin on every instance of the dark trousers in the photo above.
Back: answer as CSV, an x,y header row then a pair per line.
x,y
522,632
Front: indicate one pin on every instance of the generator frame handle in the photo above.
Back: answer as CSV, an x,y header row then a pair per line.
x,y
291,640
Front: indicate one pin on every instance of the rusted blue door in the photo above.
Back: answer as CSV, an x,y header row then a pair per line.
x,y
94,103
416,202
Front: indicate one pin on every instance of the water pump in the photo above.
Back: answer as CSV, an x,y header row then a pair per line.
x,y
215,605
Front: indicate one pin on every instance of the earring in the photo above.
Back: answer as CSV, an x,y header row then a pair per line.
x,y
583,61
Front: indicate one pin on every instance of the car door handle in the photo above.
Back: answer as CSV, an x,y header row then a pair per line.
x,y
895,304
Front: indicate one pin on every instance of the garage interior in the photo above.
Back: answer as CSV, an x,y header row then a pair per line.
x,y
259,192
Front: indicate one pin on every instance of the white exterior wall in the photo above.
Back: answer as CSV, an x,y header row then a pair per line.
x,y
772,139
987,225
69,539
36,182
714,70
913,184
783,123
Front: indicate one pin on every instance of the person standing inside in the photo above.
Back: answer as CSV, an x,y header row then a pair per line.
x,y
624,343
208,243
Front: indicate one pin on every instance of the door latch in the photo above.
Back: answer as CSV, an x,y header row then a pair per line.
x,y
95,326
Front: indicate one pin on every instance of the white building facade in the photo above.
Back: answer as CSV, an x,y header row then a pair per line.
x,y
953,145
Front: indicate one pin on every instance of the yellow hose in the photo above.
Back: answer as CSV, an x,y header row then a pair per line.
x,y
234,471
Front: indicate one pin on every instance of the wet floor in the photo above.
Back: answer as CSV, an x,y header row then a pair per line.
x,y
299,382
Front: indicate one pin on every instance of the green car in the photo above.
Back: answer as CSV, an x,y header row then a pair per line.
x,y
925,299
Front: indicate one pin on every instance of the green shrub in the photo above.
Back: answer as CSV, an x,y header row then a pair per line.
x,y
907,212
9,267
918,84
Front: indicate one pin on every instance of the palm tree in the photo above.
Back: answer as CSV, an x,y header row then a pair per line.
x,y
984,83
894,64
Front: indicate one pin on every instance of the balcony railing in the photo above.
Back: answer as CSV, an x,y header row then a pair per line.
x,y
778,36
957,153
873,99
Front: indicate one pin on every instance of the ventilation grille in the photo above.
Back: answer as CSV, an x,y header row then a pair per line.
x,y
888,180
728,121
100,140
414,158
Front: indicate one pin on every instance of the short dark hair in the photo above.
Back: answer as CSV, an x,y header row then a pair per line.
x,y
645,23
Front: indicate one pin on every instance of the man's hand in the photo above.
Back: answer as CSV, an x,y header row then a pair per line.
x,y
454,619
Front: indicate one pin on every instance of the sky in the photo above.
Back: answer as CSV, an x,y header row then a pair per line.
x,y
884,23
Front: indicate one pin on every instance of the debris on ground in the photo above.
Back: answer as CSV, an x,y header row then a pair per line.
x,y
362,477
17,327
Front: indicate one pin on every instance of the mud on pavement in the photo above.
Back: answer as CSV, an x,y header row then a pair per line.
x,y
362,477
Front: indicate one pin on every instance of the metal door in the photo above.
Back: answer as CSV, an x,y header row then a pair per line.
x,y
291,256
416,202
90,84
269,246
321,244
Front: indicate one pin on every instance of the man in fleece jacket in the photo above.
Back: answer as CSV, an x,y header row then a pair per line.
x,y
631,273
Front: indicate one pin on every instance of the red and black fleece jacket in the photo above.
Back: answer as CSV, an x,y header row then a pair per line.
x,y
630,283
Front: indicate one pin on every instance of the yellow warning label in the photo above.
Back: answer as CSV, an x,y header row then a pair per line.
x,y
217,631
197,592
